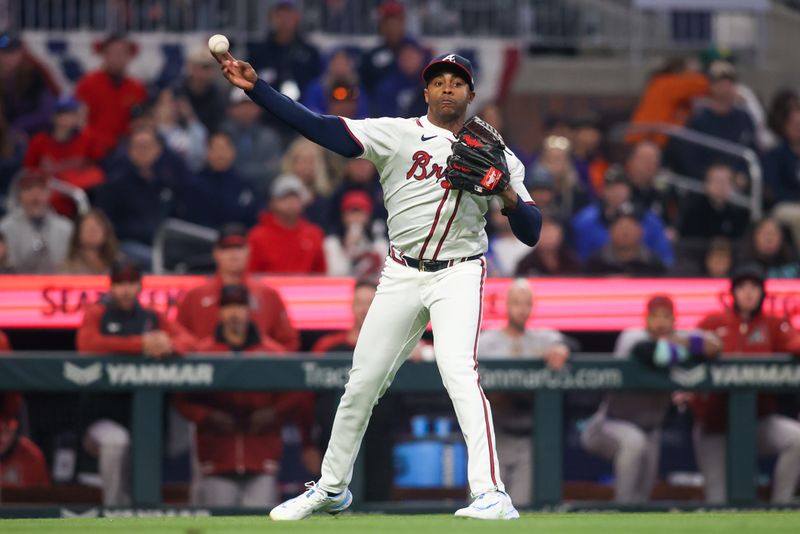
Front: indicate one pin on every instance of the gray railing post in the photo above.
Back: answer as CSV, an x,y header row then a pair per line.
x,y
146,447
741,448
547,447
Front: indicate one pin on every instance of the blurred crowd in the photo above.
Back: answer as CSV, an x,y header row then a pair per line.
x,y
191,149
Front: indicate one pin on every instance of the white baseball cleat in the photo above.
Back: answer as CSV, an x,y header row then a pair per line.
x,y
315,499
490,505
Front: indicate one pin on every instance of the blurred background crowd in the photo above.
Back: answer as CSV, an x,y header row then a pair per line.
x,y
185,147
113,174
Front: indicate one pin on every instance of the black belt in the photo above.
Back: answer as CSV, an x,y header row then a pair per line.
x,y
435,265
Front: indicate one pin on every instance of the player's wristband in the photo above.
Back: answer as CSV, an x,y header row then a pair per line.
x,y
525,221
696,344
667,354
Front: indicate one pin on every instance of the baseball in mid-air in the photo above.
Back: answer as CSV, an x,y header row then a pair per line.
x,y
218,44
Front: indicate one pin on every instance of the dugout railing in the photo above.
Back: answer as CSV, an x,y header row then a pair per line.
x,y
148,381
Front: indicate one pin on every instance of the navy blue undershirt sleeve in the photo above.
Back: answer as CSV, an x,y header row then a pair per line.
x,y
326,130
526,222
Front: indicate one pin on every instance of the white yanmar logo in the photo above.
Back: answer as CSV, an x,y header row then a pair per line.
x,y
174,374
137,374
688,377
83,376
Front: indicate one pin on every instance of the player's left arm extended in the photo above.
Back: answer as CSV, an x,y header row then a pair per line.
x,y
525,218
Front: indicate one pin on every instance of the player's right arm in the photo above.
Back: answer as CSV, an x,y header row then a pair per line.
x,y
328,131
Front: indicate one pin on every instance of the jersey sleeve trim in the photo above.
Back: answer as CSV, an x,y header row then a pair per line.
x,y
352,135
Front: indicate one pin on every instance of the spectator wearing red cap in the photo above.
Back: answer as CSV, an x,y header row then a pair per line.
x,y
67,151
747,330
198,311
120,326
109,93
27,90
36,236
359,248
358,174
626,430
283,241
238,440
22,463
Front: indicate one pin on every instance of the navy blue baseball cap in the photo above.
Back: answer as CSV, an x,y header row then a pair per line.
x,y
449,63
66,104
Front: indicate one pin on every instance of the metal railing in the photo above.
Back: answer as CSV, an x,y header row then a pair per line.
x,y
753,202
174,232
632,27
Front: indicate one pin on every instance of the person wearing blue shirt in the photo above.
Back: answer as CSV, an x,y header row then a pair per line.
x,y
218,195
590,225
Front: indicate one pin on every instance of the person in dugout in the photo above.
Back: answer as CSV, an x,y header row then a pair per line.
x,y
746,330
22,464
198,310
238,441
119,325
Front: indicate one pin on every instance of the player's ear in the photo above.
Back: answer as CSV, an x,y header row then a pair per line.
x,y
471,96
425,92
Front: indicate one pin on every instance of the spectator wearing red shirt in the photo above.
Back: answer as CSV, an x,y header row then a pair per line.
x,y
67,152
238,439
121,326
283,241
746,331
109,93
22,463
198,311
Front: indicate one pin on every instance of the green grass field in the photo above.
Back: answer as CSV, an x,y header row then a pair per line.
x,y
573,523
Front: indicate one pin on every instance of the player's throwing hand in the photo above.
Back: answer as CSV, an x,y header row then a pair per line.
x,y
239,73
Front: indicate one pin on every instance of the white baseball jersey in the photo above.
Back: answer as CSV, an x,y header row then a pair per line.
x,y
426,221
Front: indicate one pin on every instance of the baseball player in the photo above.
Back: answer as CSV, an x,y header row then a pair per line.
x,y
746,329
438,173
626,430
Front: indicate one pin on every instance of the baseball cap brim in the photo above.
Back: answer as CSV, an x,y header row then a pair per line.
x,y
437,67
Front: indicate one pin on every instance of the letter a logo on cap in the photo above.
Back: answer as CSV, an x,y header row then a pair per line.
x,y
451,58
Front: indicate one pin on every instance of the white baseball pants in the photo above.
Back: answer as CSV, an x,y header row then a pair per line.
x,y
406,300
257,491
633,452
775,435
